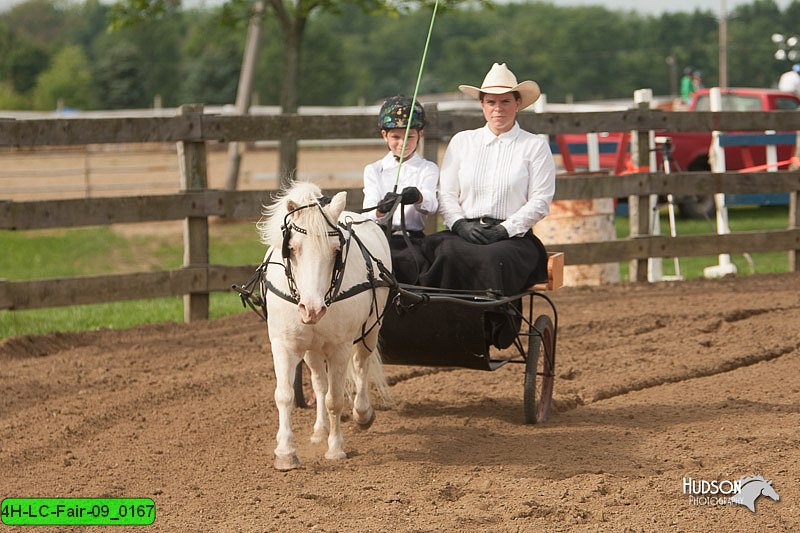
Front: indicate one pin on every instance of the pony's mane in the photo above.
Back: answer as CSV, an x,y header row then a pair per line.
x,y
301,193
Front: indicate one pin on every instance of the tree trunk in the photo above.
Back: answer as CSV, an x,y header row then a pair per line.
x,y
287,157
245,90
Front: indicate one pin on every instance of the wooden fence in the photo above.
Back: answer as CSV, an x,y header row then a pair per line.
x,y
191,130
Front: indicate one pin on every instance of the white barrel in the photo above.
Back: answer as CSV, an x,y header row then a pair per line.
x,y
575,221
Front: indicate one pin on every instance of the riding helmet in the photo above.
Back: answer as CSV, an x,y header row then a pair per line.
x,y
395,112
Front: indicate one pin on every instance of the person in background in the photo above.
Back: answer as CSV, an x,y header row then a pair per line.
x,y
790,81
496,183
417,182
697,81
687,85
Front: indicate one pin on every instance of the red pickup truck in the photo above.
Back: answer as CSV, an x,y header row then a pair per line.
x,y
690,149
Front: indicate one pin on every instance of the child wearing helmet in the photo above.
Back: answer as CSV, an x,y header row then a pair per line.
x,y
414,190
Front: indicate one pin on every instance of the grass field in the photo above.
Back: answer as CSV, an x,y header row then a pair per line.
x,y
741,218
103,250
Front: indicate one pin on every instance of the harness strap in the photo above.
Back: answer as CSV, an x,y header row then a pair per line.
x,y
386,279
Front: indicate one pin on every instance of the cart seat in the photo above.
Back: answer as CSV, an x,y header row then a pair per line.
x,y
555,273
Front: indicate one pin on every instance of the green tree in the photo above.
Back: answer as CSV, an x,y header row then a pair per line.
x,y
293,17
212,77
119,78
24,63
69,79
47,23
214,55
750,48
10,99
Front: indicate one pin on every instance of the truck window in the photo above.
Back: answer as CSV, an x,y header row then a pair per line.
x,y
731,102
786,103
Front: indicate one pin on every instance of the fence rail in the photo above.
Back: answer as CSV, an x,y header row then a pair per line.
x,y
197,127
192,130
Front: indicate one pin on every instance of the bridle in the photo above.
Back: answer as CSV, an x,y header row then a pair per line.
x,y
338,265
385,278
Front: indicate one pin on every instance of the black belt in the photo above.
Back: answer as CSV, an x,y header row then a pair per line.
x,y
486,220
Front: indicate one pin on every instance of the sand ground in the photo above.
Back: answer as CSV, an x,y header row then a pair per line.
x,y
655,383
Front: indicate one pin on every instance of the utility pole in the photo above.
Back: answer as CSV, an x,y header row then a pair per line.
x,y
723,44
673,76
245,89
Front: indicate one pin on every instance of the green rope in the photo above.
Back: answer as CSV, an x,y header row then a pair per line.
x,y
414,98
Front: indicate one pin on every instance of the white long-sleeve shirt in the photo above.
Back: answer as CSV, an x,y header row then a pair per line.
x,y
511,176
379,178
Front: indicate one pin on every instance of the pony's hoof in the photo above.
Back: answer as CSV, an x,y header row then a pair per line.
x,y
366,423
335,456
319,438
285,463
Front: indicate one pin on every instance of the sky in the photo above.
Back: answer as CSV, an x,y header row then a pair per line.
x,y
651,7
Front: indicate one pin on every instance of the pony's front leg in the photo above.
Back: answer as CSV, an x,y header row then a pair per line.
x,y
319,381
285,365
334,400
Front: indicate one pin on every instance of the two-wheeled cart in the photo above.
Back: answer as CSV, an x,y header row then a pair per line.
x,y
425,326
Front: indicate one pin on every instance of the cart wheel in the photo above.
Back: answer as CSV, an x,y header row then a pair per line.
x,y
540,371
303,393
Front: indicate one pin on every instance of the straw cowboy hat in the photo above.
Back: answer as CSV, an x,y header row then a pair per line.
x,y
500,80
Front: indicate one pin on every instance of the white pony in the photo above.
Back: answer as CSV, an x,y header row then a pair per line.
x,y
319,301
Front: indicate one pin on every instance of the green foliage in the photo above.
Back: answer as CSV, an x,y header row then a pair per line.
x,y
69,79
24,63
9,99
362,50
119,78
215,45
129,13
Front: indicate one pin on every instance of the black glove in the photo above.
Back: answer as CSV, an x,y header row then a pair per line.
x,y
488,234
411,195
467,230
388,202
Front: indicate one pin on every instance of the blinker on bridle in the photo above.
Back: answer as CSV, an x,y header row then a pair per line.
x,y
338,265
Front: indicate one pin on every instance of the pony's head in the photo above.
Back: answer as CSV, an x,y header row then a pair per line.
x,y
302,226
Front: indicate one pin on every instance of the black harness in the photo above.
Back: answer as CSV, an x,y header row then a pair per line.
x,y
385,278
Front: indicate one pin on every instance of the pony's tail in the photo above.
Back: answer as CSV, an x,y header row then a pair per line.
x,y
376,379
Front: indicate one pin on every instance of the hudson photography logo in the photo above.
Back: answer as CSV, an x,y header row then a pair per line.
x,y
744,491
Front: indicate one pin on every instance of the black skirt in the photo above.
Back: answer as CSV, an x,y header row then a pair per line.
x,y
509,266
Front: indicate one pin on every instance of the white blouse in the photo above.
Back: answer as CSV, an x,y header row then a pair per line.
x,y
511,176
379,178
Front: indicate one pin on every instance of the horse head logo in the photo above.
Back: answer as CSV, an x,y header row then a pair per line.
x,y
751,488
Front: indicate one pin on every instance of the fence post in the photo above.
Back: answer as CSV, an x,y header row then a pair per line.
x,y
639,206
192,161
430,151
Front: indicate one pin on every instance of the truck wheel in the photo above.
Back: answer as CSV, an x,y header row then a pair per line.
x,y
696,207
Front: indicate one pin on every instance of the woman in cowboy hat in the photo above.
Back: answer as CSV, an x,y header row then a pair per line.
x,y
496,183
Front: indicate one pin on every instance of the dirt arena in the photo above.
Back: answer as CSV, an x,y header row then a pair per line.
x,y
654,384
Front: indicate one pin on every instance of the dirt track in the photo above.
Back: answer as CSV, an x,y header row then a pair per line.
x,y
655,383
